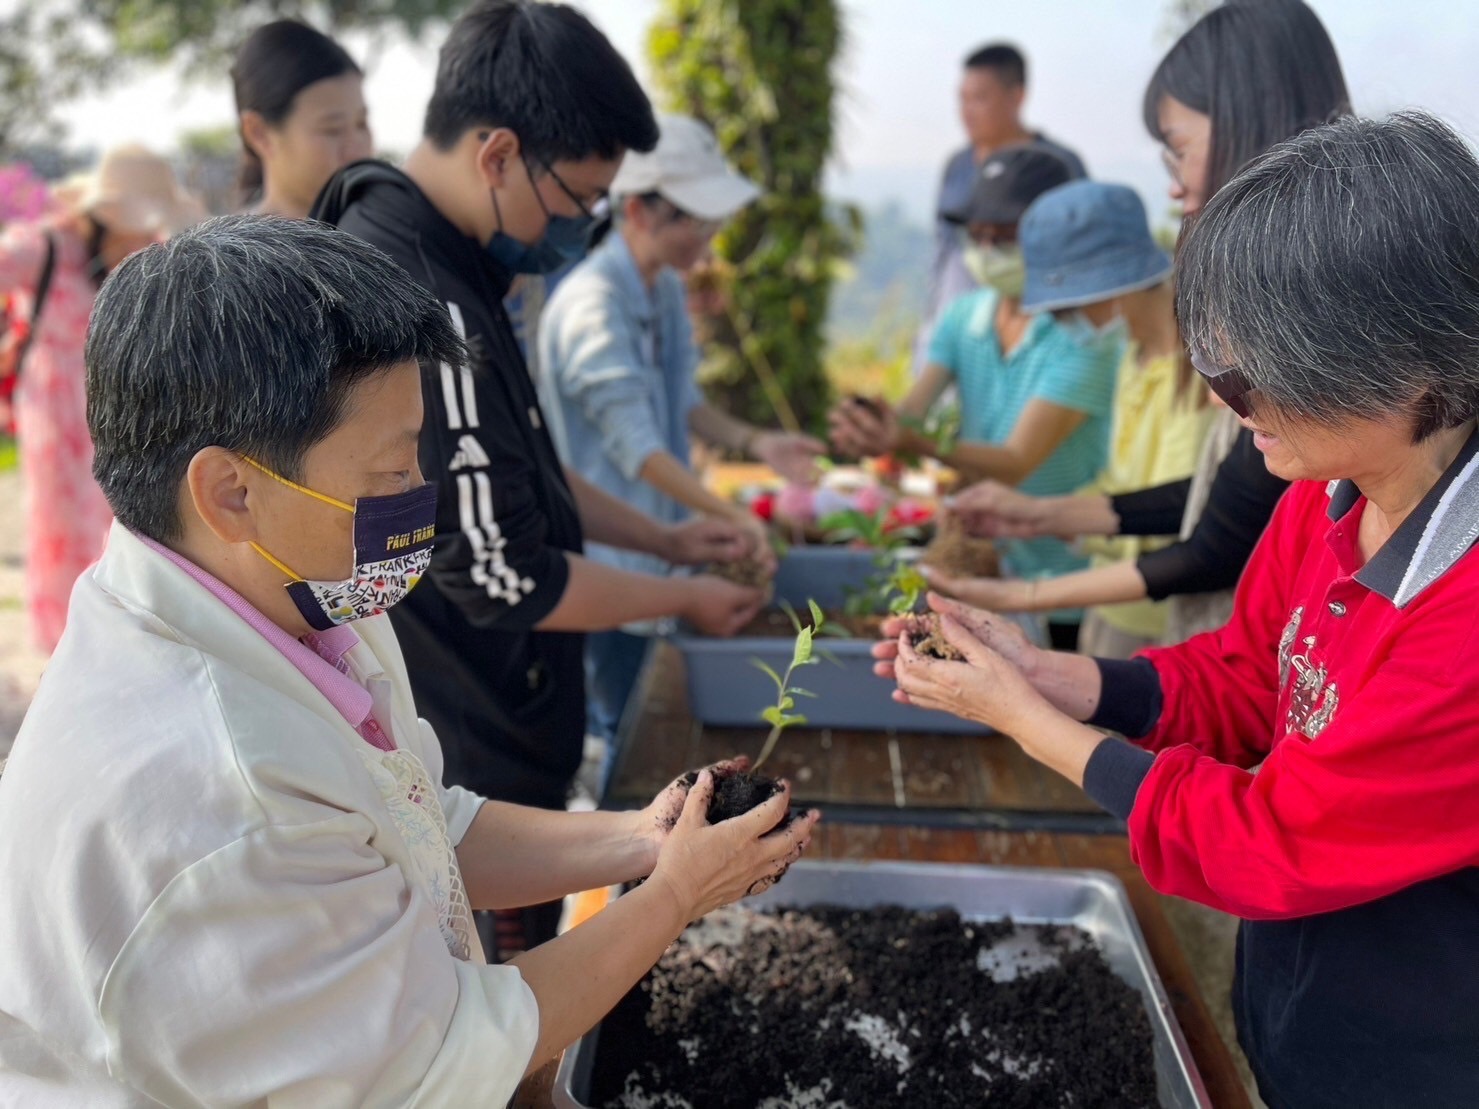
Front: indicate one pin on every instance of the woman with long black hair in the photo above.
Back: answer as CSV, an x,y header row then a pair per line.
x,y
301,107
1246,76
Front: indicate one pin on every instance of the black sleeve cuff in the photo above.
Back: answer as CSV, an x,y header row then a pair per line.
x,y
1129,696
1155,511
1114,773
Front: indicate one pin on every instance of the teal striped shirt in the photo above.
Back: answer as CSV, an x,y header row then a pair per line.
x,y
1047,365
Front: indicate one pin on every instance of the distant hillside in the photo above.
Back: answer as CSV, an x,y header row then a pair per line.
x,y
883,290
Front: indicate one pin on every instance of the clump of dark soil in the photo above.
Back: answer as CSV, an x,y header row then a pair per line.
x,y
748,572
879,1008
955,552
737,792
926,637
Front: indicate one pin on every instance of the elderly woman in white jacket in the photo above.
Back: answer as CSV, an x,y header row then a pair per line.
x,y
232,873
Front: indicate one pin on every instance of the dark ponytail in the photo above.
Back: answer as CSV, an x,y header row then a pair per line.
x,y
278,61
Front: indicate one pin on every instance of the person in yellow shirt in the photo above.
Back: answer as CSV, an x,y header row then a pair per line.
x,y
1107,283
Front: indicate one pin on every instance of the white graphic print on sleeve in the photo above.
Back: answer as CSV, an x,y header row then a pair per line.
x,y
490,569
465,413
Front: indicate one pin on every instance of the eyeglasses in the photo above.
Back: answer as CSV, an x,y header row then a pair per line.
x,y
1172,161
596,209
1228,383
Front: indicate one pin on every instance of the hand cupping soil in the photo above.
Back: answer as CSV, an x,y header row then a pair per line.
x,y
927,637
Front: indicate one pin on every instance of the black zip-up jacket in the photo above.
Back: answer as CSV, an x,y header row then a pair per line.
x,y
507,701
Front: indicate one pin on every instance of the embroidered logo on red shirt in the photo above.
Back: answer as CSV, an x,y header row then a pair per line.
x,y
1313,699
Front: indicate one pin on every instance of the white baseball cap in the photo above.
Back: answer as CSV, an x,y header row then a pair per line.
x,y
687,170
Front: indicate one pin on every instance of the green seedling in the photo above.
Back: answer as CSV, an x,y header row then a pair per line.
x,y
941,429
783,714
905,586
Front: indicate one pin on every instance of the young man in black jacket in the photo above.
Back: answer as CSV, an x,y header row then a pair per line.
x,y
532,112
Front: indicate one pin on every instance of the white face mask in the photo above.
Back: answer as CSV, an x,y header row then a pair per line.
x,y
1085,334
996,267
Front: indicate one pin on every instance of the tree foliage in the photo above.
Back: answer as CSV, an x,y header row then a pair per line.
x,y
759,72
51,51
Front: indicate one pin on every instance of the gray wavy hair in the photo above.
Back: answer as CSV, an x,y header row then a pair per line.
x,y
1339,273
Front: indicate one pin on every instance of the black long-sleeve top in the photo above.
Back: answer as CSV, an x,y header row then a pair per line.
x,y
1239,506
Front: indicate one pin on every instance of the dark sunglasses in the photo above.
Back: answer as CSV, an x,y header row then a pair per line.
x,y
1228,383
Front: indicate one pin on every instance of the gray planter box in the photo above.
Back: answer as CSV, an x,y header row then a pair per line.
x,y
726,689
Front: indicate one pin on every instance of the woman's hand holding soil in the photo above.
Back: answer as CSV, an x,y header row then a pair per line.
x,y
1002,636
997,511
705,539
655,822
706,866
718,607
987,687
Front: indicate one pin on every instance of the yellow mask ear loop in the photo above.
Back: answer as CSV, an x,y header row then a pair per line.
x,y
301,489
275,562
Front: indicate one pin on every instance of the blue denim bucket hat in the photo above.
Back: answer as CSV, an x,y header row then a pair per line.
x,y
1087,241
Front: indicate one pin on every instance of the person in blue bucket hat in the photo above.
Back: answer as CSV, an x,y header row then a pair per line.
x,y
1092,262
1035,390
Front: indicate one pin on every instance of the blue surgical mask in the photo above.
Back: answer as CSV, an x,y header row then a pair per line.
x,y
1083,332
566,240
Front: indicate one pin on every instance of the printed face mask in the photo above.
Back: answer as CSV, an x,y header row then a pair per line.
x,y
393,537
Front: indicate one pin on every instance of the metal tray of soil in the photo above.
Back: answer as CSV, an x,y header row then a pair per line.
x,y
725,688
1091,901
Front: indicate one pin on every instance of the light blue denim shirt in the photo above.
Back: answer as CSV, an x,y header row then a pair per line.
x,y
617,364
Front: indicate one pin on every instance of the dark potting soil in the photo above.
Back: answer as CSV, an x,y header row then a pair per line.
x,y
737,793
835,1007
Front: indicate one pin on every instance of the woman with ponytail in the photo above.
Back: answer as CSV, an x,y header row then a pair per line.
x,y
301,106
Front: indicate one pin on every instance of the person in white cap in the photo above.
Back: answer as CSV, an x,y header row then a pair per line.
x,y
618,358
52,268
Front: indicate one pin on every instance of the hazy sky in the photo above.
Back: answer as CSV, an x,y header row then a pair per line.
x,y
1089,61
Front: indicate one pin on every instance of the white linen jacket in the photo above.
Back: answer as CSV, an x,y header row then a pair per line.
x,y
207,897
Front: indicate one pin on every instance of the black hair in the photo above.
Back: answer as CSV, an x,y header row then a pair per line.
x,y
1002,58
546,73
1262,70
244,332
1339,274
277,62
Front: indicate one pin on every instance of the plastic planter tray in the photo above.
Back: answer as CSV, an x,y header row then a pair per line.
x,y
725,688
1089,899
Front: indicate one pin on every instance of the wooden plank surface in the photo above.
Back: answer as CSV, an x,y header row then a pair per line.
x,y
884,770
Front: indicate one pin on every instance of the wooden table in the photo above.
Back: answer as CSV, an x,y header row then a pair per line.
x,y
911,797
938,780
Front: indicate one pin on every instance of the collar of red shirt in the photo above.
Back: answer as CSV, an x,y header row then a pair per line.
x,y
1439,531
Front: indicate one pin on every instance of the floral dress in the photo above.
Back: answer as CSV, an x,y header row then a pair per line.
x,y
66,515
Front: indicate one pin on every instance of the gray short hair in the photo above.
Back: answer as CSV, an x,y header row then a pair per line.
x,y
246,332
1339,272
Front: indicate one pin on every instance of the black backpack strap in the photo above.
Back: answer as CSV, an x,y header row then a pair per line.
x,y
43,287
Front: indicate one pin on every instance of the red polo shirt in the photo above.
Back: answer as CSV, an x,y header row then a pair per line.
x,y
1354,690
